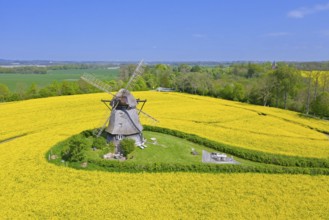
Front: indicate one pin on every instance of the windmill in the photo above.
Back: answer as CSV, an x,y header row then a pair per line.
x,y
123,121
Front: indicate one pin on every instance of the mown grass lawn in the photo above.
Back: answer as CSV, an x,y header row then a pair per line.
x,y
167,149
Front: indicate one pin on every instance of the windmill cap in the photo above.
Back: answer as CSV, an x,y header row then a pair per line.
x,y
130,99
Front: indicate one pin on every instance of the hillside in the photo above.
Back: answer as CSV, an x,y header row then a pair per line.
x,y
247,126
31,187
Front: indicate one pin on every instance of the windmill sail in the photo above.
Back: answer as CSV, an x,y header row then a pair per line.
x,y
100,130
137,73
148,116
92,80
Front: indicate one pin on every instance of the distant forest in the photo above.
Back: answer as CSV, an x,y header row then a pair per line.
x,y
302,87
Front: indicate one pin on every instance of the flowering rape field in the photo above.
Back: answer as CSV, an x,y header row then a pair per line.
x,y
30,187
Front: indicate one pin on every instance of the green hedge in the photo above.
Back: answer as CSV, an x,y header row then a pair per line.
x,y
270,162
252,155
117,166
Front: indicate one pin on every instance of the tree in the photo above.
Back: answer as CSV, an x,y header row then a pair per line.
x,y
126,71
196,68
54,88
216,87
182,82
286,81
75,149
184,68
227,92
21,90
139,85
254,70
308,98
164,78
99,143
320,106
69,88
161,67
4,92
150,80
238,69
265,87
127,146
238,93
32,91
202,83
85,87
324,79
316,83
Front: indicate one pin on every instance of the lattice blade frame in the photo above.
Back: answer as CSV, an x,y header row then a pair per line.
x,y
92,80
149,117
99,131
138,72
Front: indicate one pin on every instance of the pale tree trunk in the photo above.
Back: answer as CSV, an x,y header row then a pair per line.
x,y
285,99
277,97
325,80
308,93
316,84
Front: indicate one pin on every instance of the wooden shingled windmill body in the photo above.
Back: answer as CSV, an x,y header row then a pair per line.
x,y
123,121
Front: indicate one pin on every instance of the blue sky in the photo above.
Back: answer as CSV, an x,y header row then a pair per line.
x,y
165,30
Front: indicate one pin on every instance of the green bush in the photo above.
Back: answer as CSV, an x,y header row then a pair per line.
x,y
99,143
75,149
320,105
87,133
127,146
109,148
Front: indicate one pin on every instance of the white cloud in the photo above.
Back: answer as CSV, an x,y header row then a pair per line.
x,y
324,33
302,12
277,34
199,35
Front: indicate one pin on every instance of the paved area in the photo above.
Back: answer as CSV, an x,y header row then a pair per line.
x,y
206,158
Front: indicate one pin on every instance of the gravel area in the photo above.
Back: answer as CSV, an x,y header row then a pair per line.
x,y
206,158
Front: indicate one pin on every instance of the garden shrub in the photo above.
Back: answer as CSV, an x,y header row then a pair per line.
x,y
127,146
75,149
99,143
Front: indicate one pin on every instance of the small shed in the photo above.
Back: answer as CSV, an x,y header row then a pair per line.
x,y
162,89
219,156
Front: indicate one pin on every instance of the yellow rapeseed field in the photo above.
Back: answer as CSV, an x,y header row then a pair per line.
x,y
30,187
253,127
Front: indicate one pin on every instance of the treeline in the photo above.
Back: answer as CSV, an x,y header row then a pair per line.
x,y
24,70
71,66
44,69
311,65
54,89
281,85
